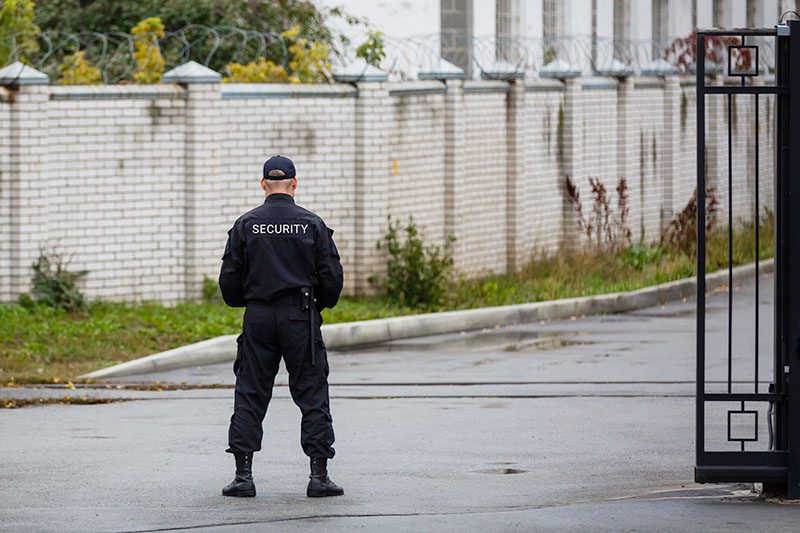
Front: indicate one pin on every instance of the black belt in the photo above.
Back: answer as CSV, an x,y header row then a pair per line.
x,y
293,298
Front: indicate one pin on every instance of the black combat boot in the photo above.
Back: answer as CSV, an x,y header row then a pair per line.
x,y
320,485
242,485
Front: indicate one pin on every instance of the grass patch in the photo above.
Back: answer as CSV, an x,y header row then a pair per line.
x,y
42,344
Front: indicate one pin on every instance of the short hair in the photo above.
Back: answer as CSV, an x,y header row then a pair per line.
x,y
276,173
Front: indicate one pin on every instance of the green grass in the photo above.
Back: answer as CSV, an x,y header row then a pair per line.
x,y
41,344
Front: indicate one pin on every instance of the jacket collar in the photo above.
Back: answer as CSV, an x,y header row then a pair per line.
x,y
279,197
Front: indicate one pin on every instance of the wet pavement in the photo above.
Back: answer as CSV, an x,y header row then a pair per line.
x,y
582,424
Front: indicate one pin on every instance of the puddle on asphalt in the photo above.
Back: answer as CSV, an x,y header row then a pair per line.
x,y
547,343
680,313
502,471
496,339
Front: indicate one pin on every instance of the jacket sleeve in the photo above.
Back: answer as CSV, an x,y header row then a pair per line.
x,y
232,273
330,276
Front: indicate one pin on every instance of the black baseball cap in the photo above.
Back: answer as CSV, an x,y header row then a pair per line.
x,y
278,162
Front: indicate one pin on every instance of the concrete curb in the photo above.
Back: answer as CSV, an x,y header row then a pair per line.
x,y
351,334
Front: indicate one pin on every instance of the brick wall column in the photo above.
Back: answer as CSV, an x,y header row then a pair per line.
x,y
454,133
626,143
670,155
373,121
516,227
454,150
203,96
628,156
571,161
29,186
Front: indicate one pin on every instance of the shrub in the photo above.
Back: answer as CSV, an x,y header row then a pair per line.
x,y
309,62
606,226
77,70
54,285
259,71
211,292
640,255
681,232
17,30
417,274
149,61
373,49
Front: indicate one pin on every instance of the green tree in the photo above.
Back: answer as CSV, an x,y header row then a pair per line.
x,y
259,71
149,61
373,49
309,59
17,31
266,16
77,70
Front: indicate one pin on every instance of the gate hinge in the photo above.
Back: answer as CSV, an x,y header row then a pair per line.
x,y
782,30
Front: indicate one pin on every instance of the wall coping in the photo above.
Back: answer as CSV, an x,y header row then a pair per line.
x,y
649,82
486,86
544,85
287,90
414,88
116,92
592,83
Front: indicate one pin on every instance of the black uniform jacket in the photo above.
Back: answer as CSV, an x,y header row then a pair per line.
x,y
274,250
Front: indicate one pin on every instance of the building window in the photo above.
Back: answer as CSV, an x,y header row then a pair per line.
x,y
660,34
718,13
551,29
505,26
594,32
622,29
751,14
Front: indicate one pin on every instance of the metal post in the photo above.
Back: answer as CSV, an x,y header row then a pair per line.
x,y
781,153
790,260
701,251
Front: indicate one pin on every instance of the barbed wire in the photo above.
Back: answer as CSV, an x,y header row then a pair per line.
x,y
217,47
112,53
581,54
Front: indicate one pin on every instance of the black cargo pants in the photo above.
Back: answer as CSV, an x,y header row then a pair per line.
x,y
271,331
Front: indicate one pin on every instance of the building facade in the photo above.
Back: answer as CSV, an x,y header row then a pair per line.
x,y
468,32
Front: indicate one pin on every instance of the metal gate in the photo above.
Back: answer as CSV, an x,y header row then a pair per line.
x,y
761,413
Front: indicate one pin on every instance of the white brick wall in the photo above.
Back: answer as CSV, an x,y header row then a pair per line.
x,y
5,196
480,196
647,183
117,189
416,156
544,152
140,183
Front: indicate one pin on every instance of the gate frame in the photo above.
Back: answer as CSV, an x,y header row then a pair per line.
x,y
780,466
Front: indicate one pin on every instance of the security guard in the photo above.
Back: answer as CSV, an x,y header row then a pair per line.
x,y
281,263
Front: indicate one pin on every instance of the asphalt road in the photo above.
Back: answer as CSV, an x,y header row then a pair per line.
x,y
584,424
